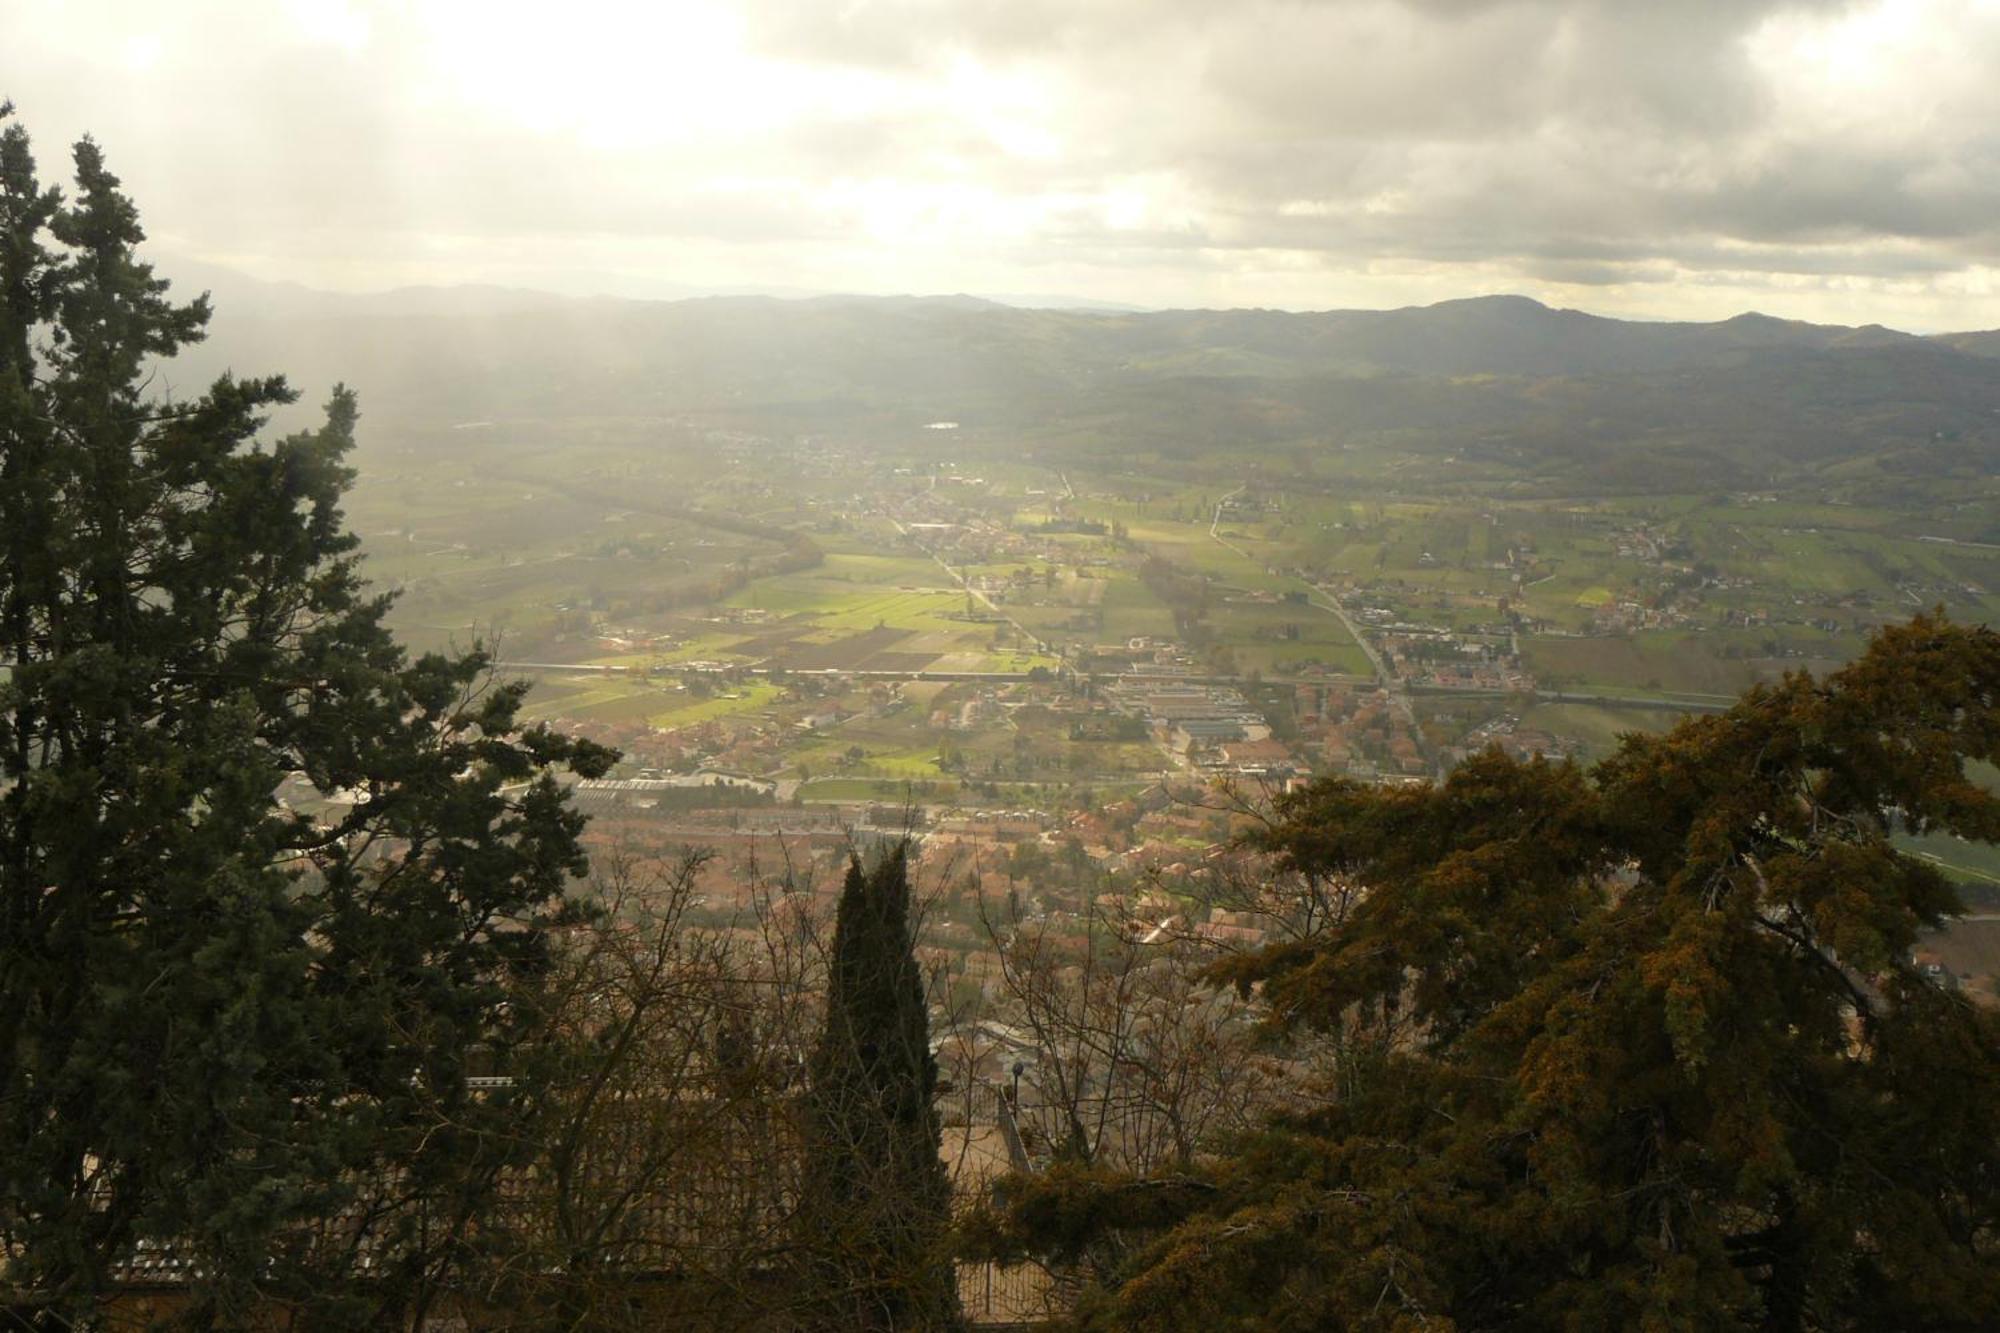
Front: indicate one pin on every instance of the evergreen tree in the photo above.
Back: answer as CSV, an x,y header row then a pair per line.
x,y
876,1205
1638,1048
230,1033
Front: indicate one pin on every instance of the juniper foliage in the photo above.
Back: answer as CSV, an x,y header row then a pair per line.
x,y
1642,1046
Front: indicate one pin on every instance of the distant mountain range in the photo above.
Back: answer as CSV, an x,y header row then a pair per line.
x,y
1528,389
1474,335
240,293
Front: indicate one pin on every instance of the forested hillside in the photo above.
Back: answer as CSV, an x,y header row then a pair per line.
x,y
1510,388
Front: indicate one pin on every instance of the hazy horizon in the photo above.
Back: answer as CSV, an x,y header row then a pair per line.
x,y
230,287
1825,161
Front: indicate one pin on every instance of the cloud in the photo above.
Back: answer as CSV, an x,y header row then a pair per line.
x,y
1660,153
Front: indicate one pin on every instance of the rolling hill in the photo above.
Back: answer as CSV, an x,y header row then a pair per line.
x,y
1497,387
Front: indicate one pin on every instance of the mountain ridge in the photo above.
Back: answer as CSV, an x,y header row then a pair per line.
x,y
242,293
1503,382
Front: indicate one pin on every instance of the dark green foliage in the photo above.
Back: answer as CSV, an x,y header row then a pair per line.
x,y
876,1205
228,1031
1637,1048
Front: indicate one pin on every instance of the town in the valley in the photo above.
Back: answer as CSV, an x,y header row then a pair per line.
x,y
1078,688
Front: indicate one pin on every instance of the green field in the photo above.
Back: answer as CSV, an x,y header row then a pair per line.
x,y
1714,665
657,701
1596,727
652,547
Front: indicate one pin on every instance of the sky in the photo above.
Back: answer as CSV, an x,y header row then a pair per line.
x,y
1686,159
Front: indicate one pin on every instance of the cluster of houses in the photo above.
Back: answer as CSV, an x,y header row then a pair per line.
x,y
1517,741
1358,732
1625,615
1455,659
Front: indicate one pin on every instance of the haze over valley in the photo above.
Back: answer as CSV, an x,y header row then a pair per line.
x,y
952,524
916,666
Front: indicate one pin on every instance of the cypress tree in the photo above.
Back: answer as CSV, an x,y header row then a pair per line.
x,y
876,1206
230,1033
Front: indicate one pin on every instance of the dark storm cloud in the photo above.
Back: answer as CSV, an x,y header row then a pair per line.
x,y
1831,191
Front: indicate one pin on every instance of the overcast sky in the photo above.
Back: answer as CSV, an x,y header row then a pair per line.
x,y
1669,158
